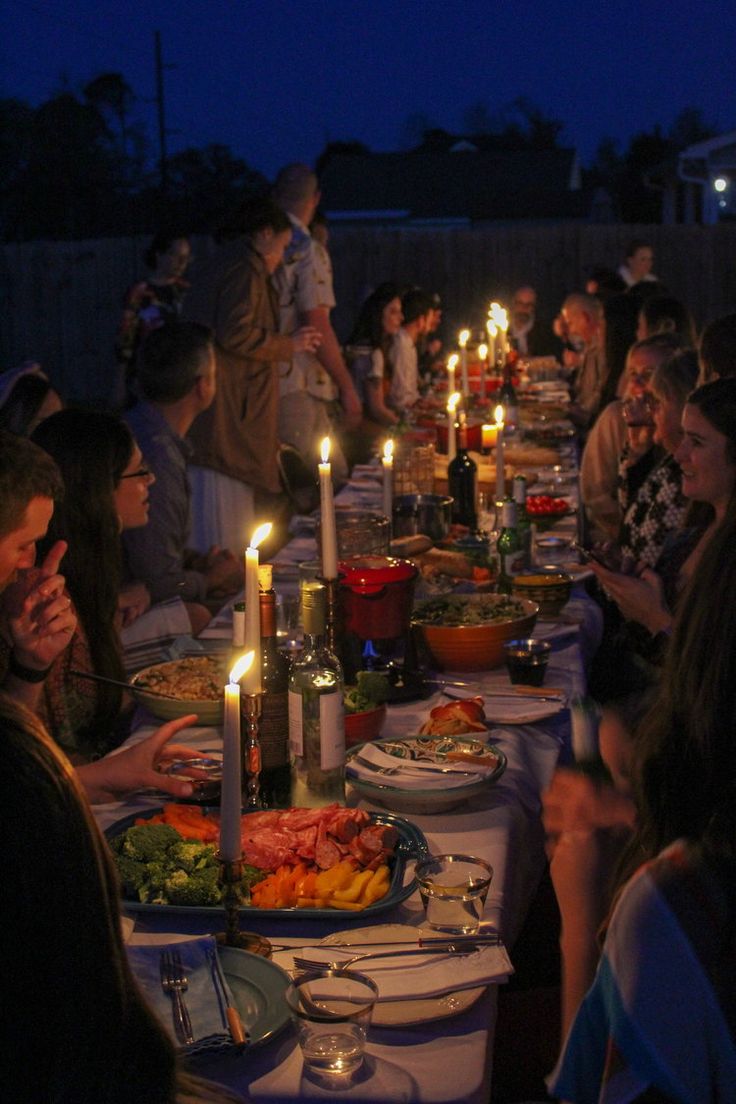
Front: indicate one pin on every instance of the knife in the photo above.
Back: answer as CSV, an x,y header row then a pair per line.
x,y
230,1015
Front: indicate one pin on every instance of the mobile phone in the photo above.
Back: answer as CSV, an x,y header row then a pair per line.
x,y
591,554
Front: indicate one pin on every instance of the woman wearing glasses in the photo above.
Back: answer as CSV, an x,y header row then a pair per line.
x,y
106,484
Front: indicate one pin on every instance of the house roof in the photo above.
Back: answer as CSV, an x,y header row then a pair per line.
x,y
463,184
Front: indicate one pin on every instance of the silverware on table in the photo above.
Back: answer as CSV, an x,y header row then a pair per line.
x,y
174,982
119,682
408,763
228,1013
301,962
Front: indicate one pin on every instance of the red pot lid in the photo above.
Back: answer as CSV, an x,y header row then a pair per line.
x,y
370,573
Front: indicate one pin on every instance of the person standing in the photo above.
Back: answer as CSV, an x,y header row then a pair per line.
x,y
313,379
234,473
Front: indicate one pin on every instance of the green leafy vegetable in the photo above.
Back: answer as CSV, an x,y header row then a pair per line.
x,y
371,690
452,610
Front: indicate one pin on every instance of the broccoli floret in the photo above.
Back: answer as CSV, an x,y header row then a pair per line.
x,y
190,854
149,842
199,888
371,689
132,873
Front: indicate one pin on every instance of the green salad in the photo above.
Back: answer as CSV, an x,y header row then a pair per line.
x,y
371,690
464,609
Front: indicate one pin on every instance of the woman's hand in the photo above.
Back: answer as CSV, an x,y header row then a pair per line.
x,y
139,767
307,339
639,597
39,616
133,600
575,803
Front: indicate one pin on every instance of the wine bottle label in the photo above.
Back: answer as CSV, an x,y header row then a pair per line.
x,y
274,729
512,562
332,731
296,727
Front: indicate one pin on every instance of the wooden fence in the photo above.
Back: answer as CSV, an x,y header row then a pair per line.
x,y
60,301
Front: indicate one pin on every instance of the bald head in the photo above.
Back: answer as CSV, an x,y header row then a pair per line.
x,y
296,190
583,315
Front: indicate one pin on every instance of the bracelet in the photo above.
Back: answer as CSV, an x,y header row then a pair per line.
x,y
26,674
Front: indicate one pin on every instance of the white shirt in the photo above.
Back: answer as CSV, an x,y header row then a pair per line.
x,y
404,391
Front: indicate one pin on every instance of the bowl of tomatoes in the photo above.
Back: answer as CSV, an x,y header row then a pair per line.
x,y
547,509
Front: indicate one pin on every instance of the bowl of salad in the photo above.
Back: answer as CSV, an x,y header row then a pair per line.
x,y
467,632
365,707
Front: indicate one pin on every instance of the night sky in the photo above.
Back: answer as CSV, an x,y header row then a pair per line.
x,y
276,79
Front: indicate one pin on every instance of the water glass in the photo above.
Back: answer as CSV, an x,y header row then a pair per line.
x,y
331,1011
453,889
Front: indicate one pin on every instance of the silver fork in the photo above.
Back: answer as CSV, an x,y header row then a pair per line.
x,y
397,770
303,963
175,982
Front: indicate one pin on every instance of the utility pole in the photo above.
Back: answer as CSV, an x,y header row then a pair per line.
x,y
163,173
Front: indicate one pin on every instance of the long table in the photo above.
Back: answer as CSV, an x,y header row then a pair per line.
x,y
449,1059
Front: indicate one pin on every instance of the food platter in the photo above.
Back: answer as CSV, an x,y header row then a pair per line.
x,y
411,845
434,749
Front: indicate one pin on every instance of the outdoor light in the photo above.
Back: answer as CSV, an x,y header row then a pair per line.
x,y
720,183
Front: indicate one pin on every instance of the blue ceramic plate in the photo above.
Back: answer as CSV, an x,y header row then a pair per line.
x,y
258,987
411,845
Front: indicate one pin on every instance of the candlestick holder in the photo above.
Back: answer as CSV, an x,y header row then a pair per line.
x,y
251,712
230,876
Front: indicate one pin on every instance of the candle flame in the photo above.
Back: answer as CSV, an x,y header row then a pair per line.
x,y
492,328
242,665
463,337
452,402
452,362
482,351
498,414
260,534
388,449
499,316
324,449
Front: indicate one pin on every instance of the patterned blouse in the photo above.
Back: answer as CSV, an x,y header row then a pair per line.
x,y
654,511
146,307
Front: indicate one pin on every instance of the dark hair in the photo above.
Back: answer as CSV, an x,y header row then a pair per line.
x,y
620,313
162,243
415,303
718,347
665,314
92,450
172,359
26,472
260,213
18,412
716,401
368,329
607,281
635,244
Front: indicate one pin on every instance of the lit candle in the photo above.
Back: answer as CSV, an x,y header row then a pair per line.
x,y
231,798
252,682
388,478
500,477
452,402
327,514
451,367
482,355
499,316
492,331
462,339
488,435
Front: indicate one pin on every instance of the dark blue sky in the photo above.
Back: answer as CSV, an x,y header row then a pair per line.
x,y
275,79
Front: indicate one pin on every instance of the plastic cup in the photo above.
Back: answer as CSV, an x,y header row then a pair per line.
x,y
331,1011
453,889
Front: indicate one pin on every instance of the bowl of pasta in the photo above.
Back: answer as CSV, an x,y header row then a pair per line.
x,y
193,684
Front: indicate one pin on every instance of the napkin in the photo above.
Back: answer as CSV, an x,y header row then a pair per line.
x,y
210,1033
160,622
520,710
415,977
415,774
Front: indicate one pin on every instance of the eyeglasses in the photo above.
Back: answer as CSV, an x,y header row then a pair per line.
x,y
142,473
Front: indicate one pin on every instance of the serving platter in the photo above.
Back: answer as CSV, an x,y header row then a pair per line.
x,y
410,846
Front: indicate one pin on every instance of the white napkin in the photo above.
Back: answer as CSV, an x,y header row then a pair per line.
x,y
520,710
414,977
165,619
415,774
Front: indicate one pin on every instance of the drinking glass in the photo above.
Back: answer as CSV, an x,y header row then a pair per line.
x,y
453,889
331,1011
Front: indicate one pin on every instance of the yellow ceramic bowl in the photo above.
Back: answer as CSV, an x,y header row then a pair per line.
x,y
476,647
161,677
551,591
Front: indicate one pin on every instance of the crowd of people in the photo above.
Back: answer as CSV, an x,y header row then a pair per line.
x,y
232,381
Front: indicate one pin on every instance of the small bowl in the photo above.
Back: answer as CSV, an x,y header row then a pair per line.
x,y
552,549
527,660
551,591
206,790
365,726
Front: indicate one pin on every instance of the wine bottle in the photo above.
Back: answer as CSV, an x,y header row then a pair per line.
x,y
523,524
508,547
462,472
507,397
316,712
275,778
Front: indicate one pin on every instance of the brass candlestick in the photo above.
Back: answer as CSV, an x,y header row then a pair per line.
x,y
251,712
231,873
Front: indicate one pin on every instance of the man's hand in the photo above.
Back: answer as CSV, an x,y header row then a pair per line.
x,y
133,600
39,616
139,767
351,406
306,339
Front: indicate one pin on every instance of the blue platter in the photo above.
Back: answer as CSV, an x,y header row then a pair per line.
x,y
411,845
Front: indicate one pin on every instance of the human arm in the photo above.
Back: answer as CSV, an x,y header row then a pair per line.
x,y
330,357
376,407
137,767
134,599
640,597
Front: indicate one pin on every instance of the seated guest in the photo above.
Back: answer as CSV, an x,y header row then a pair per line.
x,y
637,268
153,301
368,349
527,334
26,398
63,959
664,314
599,465
37,621
584,324
176,379
717,350
417,307
657,1020
429,346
